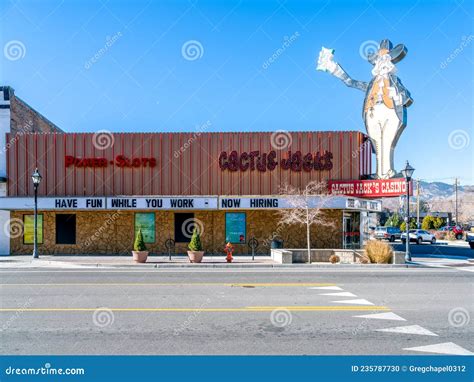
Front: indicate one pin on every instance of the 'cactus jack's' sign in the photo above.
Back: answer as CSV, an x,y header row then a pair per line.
x,y
294,161
370,188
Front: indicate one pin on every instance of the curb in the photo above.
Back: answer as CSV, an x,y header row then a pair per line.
x,y
241,266
453,257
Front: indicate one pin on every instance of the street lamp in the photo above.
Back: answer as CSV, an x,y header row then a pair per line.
x,y
36,177
407,173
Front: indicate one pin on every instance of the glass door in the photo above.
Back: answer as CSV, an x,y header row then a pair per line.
x,y
351,230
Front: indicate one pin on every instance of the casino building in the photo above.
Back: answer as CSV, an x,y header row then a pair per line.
x,y
97,189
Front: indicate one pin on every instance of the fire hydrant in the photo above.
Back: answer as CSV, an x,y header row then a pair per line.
x,y
229,249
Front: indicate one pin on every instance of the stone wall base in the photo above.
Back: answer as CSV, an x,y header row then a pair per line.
x,y
347,256
112,232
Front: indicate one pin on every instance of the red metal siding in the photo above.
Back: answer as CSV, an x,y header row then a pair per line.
x,y
187,163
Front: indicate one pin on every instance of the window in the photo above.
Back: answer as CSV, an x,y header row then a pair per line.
x,y
65,229
146,222
235,227
29,229
183,227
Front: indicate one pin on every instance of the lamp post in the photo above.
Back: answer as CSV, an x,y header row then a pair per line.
x,y
36,177
407,173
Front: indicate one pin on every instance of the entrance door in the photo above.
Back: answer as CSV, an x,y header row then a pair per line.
x,y
183,227
351,230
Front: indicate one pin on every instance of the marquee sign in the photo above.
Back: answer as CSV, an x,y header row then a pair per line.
x,y
181,203
370,188
279,202
111,203
255,160
62,203
157,203
358,204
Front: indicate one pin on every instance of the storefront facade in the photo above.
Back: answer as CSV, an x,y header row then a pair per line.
x,y
99,188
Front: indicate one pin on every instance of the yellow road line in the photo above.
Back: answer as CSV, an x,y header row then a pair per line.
x,y
177,284
245,309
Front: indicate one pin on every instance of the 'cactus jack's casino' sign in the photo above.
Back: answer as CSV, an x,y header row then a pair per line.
x,y
261,161
370,188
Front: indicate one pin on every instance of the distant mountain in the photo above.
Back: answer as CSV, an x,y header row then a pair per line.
x,y
440,197
436,190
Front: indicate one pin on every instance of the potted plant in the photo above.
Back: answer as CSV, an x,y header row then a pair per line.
x,y
140,254
195,252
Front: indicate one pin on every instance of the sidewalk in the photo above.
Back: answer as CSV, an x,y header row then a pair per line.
x,y
108,262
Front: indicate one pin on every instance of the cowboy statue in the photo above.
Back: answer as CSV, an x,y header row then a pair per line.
x,y
386,100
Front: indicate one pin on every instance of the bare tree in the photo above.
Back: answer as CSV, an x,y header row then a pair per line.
x,y
306,207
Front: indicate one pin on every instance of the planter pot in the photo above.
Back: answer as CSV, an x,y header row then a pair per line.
x,y
195,256
140,256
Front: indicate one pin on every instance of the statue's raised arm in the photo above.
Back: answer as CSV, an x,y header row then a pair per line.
x,y
326,63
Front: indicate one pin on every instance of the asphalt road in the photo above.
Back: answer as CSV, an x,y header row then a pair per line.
x,y
235,312
437,249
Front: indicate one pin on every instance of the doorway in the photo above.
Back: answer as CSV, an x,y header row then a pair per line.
x,y
183,227
351,230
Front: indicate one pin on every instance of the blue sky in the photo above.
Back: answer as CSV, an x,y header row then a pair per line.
x,y
121,66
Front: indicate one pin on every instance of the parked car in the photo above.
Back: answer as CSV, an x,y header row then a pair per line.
x,y
388,233
470,239
457,230
419,236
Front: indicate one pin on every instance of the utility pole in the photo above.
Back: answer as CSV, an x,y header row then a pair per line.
x,y
418,203
456,200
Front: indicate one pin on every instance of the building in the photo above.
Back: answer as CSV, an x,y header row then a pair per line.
x,y
99,188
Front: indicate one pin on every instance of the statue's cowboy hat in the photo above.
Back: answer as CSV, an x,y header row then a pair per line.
x,y
397,53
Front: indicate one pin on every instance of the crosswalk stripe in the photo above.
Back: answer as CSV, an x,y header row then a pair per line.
x,y
327,288
359,301
409,329
383,316
442,348
339,294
